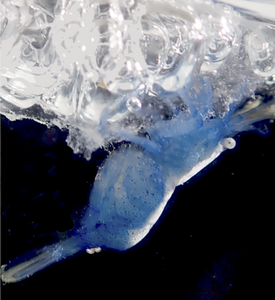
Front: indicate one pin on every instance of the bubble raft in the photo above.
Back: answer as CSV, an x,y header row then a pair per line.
x,y
66,62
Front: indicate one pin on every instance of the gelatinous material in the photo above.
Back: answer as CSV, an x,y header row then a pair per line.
x,y
170,78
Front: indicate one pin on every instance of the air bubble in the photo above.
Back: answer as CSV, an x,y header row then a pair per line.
x,y
133,104
28,51
229,143
130,3
261,51
153,44
220,45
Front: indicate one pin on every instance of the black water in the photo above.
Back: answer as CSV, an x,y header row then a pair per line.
x,y
213,242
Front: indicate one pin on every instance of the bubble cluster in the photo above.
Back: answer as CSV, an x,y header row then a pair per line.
x,y
261,50
74,59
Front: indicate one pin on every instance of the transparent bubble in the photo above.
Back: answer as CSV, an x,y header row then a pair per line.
x,y
178,41
220,44
153,43
27,52
261,50
133,104
130,3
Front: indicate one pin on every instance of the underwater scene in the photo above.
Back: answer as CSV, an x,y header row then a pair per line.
x,y
137,143
214,240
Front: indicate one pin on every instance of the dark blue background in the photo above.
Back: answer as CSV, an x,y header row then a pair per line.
x,y
214,240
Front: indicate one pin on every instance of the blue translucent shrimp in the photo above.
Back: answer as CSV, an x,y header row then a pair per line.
x,y
135,182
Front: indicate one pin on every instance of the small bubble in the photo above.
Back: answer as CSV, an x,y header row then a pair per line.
x,y
261,50
130,3
28,51
133,104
